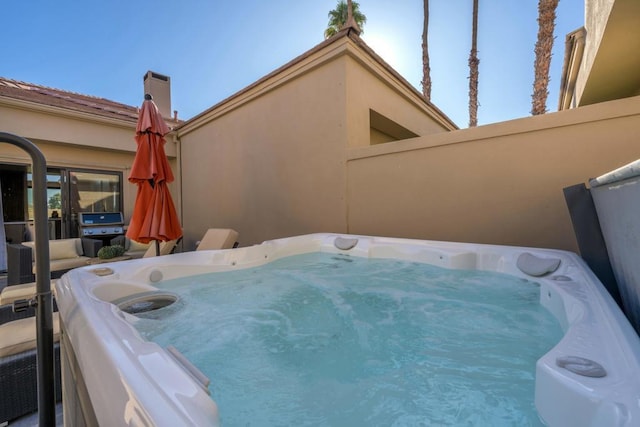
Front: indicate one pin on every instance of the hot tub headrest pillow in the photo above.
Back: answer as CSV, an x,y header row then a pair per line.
x,y
536,266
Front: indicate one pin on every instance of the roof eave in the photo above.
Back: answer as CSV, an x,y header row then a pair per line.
x,y
347,33
438,114
66,112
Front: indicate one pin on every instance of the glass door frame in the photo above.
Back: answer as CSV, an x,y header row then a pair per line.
x,y
65,222
71,197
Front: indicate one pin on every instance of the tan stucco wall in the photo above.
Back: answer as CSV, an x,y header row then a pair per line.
x,y
58,155
67,127
595,17
498,184
272,166
610,64
271,160
268,177
289,155
366,90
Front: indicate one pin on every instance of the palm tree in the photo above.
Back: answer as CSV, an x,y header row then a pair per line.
x,y
474,63
426,69
546,25
338,17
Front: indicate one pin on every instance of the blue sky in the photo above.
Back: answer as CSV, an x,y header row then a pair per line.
x,y
212,49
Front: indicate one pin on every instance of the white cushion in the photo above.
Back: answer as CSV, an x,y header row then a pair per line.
x,y
20,335
59,249
23,291
68,263
62,249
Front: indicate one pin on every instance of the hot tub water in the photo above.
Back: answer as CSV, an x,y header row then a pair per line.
x,y
326,339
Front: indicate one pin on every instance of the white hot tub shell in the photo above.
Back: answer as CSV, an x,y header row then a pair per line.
x,y
114,377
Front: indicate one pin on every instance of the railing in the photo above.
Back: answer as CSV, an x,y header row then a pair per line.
x,y
43,300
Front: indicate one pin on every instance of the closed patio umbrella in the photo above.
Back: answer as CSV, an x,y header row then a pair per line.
x,y
154,214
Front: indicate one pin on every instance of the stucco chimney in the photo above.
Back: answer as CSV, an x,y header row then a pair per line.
x,y
159,87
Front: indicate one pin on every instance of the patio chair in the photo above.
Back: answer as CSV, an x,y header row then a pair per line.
x,y
18,363
166,248
132,248
64,255
218,238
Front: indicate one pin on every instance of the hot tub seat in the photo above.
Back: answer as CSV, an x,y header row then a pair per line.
x,y
64,255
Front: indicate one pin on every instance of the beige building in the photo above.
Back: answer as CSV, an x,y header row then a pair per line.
x,y
337,141
271,160
602,58
89,146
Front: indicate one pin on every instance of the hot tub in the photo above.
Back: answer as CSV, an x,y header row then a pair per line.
x,y
114,377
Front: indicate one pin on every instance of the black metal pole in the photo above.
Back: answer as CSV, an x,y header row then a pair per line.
x,y
44,299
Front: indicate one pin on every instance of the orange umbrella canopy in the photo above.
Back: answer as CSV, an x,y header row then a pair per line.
x,y
154,214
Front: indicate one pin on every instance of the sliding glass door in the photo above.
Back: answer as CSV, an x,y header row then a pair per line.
x,y
69,192
90,191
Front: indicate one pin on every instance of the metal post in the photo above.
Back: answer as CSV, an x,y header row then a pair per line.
x,y
44,300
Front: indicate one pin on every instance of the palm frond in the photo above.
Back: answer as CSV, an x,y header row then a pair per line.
x,y
338,17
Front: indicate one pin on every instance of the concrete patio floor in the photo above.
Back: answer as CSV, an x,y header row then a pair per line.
x,y
31,420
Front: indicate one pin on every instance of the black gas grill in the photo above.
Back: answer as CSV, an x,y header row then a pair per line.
x,y
103,225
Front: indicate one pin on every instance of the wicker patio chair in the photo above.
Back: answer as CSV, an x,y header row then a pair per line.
x,y
18,374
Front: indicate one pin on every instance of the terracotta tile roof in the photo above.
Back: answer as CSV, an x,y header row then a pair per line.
x,y
68,100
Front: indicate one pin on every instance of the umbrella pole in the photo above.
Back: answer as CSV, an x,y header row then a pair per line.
x,y
157,247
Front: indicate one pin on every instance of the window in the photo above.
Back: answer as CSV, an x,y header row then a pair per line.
x,y
95,192
86,192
